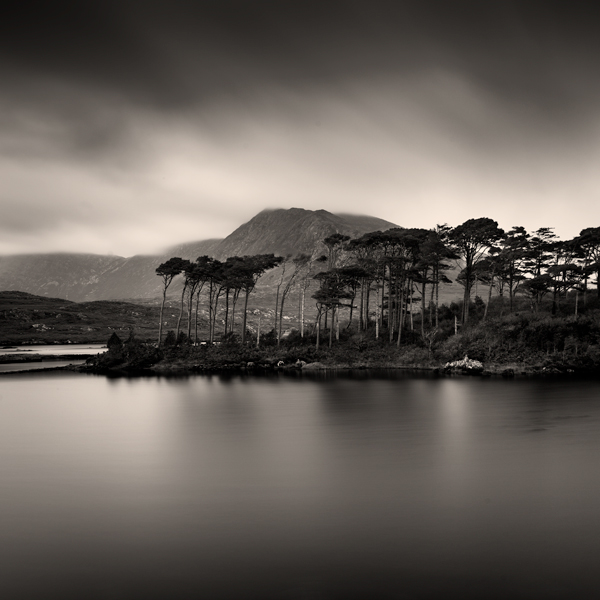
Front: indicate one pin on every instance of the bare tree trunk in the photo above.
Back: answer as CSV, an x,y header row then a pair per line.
x,y
236,295
160,323
302,312
377,311
437,303
210,313
196,315
276,312
368,297
283,269
410,292
431,299
423,285
318,324
331,328
402,311
390,310
280,329
298,321
180,311
190,306
361,321
585,282
485,312
245,317
226,330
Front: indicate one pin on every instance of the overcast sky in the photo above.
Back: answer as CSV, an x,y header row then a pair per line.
x,y
129,126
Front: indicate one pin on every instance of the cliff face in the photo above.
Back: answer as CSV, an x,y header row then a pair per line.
x,y
84,277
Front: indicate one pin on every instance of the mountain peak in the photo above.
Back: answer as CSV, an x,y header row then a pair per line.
x,y
294,231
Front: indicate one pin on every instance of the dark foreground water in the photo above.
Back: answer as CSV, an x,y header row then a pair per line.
x,y
299,488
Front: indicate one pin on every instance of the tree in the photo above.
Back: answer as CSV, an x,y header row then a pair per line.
x,y
236,270
472,240
335,244
215,275
351,276
589,240
565,271
487,271
436,252
197,275
256,267
300,263
328,298
512,256
362,250
535,288
167,271
304,284
540,256
201,271
186,270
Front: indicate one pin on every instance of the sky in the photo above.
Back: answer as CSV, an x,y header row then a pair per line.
x,y
133,125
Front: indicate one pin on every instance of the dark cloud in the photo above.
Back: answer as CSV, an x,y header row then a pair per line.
x,y
89,65
173,54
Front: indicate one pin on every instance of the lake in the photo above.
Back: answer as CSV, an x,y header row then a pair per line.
x,y
54,349
365,485
47,356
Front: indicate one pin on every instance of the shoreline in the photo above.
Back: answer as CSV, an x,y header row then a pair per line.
x,y
19,359
493,371
144,358
504,371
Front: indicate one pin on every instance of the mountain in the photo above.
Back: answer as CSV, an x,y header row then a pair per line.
x,y
294,231
86,277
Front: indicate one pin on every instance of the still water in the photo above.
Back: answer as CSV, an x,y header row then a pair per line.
x,y
298,487
46,356
55,349
37,365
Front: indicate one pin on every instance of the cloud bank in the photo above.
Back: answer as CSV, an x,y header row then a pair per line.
x,y
128,127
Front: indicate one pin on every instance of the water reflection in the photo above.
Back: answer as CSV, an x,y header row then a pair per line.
x,y
362,485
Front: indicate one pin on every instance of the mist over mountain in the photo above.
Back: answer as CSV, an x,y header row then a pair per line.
x,y
74,277
294,231
85,277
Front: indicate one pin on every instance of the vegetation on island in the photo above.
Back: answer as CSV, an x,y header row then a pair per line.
x,y
528,303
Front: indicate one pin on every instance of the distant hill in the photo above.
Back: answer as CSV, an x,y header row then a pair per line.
x,y
26,318
87,277
70,276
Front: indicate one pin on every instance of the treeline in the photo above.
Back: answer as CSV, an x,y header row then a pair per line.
x,y
388,282
219,279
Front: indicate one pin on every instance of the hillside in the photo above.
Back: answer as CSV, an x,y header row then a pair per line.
x,y
25,318
88,277
69,276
